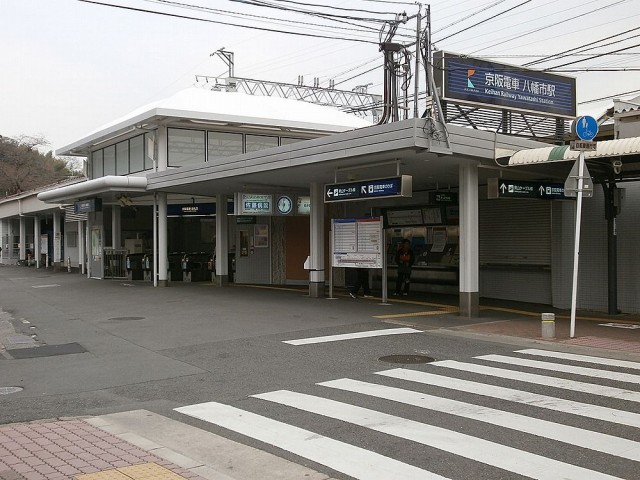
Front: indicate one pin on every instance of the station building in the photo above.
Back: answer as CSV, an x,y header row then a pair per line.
x,y
238,182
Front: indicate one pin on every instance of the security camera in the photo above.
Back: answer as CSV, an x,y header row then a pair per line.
x,y
617,166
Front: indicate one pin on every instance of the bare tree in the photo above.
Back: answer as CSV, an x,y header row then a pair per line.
x,y
23,167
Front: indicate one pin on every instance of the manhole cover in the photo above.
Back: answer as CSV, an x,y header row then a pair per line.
x,y
406,359
125,319
8,390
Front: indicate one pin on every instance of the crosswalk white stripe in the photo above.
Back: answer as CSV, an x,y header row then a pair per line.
x,y
600,442
351,336
518,396
581,358
343,457
490,453
563,383
557,367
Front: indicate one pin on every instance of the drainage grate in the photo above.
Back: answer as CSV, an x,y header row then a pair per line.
x,y
406,359
125,319
9,390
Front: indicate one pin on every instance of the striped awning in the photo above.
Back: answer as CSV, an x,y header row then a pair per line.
x,y
605,149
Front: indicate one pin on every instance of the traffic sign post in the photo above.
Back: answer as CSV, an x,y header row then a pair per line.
x,y
586,128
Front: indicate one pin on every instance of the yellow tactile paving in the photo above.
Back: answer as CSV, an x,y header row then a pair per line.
x,y
112,474
144,471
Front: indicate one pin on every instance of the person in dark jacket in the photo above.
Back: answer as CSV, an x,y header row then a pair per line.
x,y
362,281
404,260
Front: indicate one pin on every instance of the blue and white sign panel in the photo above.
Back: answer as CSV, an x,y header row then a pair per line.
x,y
585,127
367,189
479,82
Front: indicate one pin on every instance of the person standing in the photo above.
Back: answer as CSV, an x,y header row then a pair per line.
x,y
404,260
362,281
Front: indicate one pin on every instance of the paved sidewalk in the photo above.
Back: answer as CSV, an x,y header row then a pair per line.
x,y
74,449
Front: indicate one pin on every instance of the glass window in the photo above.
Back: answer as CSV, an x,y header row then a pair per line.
x,y
260,142
186,147
96,164
289,140
220,144
148,160
110,160
136,154
122,158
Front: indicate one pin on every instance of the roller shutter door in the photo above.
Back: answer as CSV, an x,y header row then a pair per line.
x,y
515,232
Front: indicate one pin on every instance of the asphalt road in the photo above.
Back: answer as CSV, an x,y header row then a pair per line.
x,y
218,354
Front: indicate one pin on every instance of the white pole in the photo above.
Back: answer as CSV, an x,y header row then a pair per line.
x,y
576,247
155,239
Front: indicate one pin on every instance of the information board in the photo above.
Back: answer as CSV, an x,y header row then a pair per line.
x,y
357,242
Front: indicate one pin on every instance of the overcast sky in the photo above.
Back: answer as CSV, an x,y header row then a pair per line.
x,y
69,67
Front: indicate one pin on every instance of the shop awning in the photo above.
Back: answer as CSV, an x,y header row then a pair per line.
x,y
605,149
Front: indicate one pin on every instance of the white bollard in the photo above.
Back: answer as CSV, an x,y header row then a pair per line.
x,y
548,325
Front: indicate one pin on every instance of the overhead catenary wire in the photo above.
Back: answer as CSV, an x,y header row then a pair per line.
x,y
206,20
277,21
608,97
493,17
544,27
344,9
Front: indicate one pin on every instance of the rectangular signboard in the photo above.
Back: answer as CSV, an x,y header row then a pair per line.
x,y
357,242
479,82
500,188
191,209
253,204
584,145
87,206
367,189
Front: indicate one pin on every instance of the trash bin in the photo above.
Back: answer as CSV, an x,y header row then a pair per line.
x,y
174,261
195,267
133,263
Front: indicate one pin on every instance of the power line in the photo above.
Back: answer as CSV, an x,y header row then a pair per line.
x,y
581,47
592,57
335,8
260,17
165,14
328,16
484,21
608,97
469,16
563,21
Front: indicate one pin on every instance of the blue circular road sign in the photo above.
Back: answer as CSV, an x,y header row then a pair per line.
x,y
585,127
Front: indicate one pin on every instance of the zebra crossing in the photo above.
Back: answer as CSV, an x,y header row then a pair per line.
x,y
604,424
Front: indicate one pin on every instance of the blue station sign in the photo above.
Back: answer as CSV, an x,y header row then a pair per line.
x,y
498,85
367,189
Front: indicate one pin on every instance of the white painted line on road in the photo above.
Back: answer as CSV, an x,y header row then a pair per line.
x,y
563,383
558,367
600,442
343,457
527,398
490,453
611,362
45,286
350,336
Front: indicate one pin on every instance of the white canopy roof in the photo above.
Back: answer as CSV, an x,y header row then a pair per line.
x,y
224,108
607,148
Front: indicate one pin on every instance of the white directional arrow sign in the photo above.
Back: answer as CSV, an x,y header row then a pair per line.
x,y
503,187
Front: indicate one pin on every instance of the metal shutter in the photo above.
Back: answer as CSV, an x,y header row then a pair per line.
x,y
515,232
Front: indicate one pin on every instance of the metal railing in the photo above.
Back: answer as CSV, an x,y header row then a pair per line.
x,y
115,263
